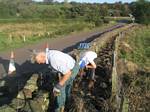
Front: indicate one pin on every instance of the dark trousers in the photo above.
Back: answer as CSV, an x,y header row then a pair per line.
x,y
66,90
90,73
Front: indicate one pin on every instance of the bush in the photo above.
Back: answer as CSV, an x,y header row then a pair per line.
x,y
98,23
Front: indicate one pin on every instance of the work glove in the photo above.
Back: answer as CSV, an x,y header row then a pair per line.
x,y
57,89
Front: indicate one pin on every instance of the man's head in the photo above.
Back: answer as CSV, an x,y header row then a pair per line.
x,y
39,57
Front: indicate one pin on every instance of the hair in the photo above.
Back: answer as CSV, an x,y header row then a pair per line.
x,y
34,54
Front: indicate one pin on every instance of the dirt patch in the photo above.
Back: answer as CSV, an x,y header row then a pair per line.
x,y
136,89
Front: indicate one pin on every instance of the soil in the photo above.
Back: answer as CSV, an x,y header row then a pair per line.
x,y
94,99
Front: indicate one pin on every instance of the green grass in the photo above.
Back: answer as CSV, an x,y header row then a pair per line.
x,y
3,40
119,19
35,20
44,6
140,43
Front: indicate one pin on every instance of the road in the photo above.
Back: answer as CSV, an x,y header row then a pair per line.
x,y
66,44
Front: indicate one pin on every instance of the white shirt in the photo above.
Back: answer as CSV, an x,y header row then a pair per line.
x,y
86,58
60,61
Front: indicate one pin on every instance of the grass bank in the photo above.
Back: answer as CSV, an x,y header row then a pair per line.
x,y
139,42
136,84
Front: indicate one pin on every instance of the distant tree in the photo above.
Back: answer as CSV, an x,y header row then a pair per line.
x,y
48,1
14,7
141,11
104,9
126,10
117,8
65,1
89,12
51,12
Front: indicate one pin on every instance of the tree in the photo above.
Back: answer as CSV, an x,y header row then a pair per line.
x,y
48,1
141,11
12,8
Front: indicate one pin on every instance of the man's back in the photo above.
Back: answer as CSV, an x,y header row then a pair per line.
x,y
60,61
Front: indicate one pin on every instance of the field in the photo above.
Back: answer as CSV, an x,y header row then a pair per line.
x,y
15,33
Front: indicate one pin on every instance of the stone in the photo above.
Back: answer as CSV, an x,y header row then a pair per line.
x,y
31,87
24,94
103,85
6,108
2,83
17,103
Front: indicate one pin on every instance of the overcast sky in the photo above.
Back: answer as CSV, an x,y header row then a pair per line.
x,y
95,1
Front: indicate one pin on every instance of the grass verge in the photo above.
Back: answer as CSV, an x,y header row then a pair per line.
x,y
139,41
136,86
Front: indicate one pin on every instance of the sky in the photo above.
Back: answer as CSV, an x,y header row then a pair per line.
x,y
96,1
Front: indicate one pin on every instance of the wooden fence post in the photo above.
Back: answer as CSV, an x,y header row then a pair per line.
x,y
10,38
24,38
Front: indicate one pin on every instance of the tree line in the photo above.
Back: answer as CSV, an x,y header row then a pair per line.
x,y
86,11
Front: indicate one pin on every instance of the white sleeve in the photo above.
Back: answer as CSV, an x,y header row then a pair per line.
x,y
63,69
90,59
